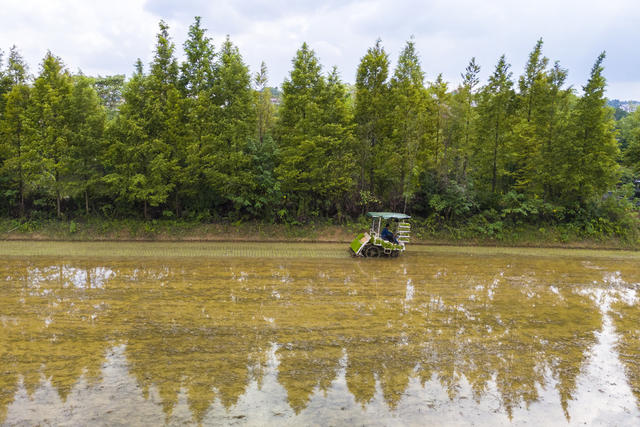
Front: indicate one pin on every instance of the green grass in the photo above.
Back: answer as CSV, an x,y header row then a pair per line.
x,y
423,231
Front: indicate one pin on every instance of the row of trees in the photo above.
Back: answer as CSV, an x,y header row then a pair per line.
x,y
203,138
534,141
628,128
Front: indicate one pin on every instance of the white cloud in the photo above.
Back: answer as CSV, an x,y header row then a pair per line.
x,y
97,37
107,37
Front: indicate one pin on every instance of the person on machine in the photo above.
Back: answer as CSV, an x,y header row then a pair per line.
x,y
388,235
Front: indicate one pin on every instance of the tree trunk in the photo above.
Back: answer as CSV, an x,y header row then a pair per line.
x,y
438,141
21,196
371,159
146,217
57,181
86,201
495,159
177,204
20,174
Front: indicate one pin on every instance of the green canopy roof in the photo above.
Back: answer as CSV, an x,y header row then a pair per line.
x,y
388,215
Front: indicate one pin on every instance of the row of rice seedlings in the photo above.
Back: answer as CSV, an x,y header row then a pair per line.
x,y
271,250
172,249
523,251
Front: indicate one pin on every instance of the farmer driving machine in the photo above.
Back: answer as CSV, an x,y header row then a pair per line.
x,y
378,242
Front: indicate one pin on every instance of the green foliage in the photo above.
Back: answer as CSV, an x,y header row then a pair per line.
x,y
629,140
16,73
314,133
109,90
373,127
486,226
86,142
134,164
531,121
196,82
461,117
203,141
14,146
49,130
400,157
448,200
228,167
517,208
495,122
264,194
265,110
146,160
593,168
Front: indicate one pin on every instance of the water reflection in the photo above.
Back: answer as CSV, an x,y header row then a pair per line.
x,y
213,329
626,316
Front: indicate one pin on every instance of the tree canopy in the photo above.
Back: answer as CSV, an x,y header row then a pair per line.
x,y
206,138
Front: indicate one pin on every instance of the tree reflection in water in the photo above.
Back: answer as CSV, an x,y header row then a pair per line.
x,y
207,326
626,317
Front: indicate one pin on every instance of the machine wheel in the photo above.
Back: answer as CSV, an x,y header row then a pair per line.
x,y
394,254
372,251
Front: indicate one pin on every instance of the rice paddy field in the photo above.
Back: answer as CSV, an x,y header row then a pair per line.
x,y
139,333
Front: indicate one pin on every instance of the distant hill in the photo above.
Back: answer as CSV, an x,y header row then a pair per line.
x,y
626,106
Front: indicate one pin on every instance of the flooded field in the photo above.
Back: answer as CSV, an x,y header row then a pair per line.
x,y
249,334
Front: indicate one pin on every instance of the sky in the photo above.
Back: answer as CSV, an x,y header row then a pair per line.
x,y
106,37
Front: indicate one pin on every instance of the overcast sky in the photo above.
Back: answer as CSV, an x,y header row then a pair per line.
x,y
106,37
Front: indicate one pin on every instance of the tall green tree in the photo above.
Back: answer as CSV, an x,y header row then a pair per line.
x,y
196,72
530,82
553,131
265,109
399,162
147,163
87,118
589,165
4,82
13,143
371,114
15,73
444,188
631,133
137,168
496,106
440,135
234,126
48,122
197,75
300,156
626,127
337,138
165,118
529,130
313,132
5,192
125,134
265,195
464,118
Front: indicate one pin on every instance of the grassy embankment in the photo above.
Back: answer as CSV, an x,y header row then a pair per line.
x,y
559,236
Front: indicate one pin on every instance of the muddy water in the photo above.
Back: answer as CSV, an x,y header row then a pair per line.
x,y
431,337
